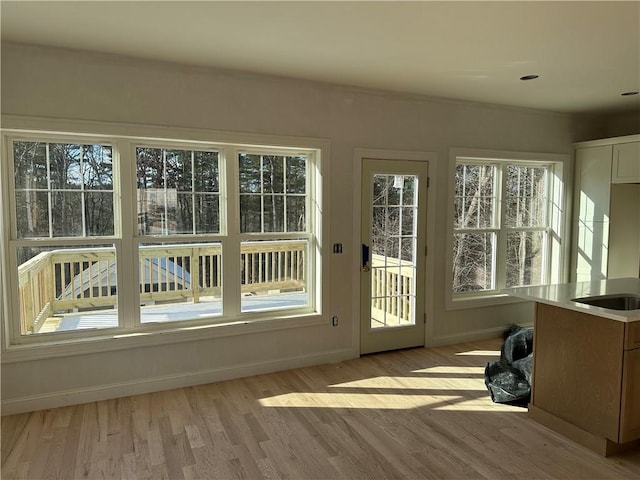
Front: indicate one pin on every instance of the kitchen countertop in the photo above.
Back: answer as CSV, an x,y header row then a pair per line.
x,y
560,295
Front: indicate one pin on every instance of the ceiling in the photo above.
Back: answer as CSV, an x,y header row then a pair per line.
x,y
585,53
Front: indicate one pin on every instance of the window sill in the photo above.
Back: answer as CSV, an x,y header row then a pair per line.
x,y
105,343
476,301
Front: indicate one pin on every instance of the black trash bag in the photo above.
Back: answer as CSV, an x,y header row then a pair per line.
x,y
524,366
518,343
506,384
509,380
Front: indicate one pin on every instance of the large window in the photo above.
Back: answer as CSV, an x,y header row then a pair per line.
x,y
118,235
505,224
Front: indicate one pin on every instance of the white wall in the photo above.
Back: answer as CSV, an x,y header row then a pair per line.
x,y
73,85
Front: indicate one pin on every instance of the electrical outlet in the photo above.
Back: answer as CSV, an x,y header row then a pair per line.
x,y
334,320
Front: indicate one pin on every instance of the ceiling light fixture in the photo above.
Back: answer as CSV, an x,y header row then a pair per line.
x,y
628,94
529,77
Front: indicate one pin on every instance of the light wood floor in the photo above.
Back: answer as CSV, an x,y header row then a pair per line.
x,y
416,414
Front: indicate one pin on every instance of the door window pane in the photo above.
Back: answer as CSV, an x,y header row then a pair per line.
x,y
393,257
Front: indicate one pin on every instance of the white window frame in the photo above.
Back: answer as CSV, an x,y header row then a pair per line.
x,y
556,254
130,332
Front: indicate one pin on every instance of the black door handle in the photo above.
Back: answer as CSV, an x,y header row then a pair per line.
x,y
365,258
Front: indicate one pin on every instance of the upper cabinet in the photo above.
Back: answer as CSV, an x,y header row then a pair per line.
x,y
626,163
606,222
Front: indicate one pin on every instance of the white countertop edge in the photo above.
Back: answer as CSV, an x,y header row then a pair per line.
x,y
561,295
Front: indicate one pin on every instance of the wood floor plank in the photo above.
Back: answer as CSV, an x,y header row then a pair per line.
x,y
416,413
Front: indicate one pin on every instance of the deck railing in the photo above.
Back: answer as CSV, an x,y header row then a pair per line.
x,y
85,278
392,290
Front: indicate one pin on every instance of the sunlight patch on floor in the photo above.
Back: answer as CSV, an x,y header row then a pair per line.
x,y
450,369
383,402
484,353
355,400
411,383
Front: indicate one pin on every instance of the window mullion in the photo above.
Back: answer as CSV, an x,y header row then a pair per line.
x,y
546,245
262,193
501,234
49,190
193,192
83,193
125,177
229,190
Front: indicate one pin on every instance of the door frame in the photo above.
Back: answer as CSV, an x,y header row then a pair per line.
x,y
361,154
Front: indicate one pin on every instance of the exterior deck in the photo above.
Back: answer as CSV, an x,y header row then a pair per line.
x,y
169,312
76,288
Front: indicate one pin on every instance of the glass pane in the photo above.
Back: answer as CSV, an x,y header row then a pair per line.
x,y
394,190
525,258
526,197
65,167
393,220
379,233
180,281
206,172
66,210
296,174
172,188
30,165
249,172
59,208
266,204
67,288
296,218
151,212
178,173
380,190
273,275
408,221
273,211
250,214
408,194
97,167
408,248
474,196
272,174
150,168
473,262
393,258
207,211
32,214
99,216
180,218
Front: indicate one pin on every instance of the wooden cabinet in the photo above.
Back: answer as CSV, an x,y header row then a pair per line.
x,y
630,407
623,255
586,377
606,224
626,163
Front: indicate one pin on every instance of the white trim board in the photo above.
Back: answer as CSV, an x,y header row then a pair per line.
x,y
64,398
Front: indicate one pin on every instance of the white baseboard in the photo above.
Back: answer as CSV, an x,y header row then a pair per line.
x,y
44,401
473,336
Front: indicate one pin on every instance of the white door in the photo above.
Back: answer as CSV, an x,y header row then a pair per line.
x,y
393,254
